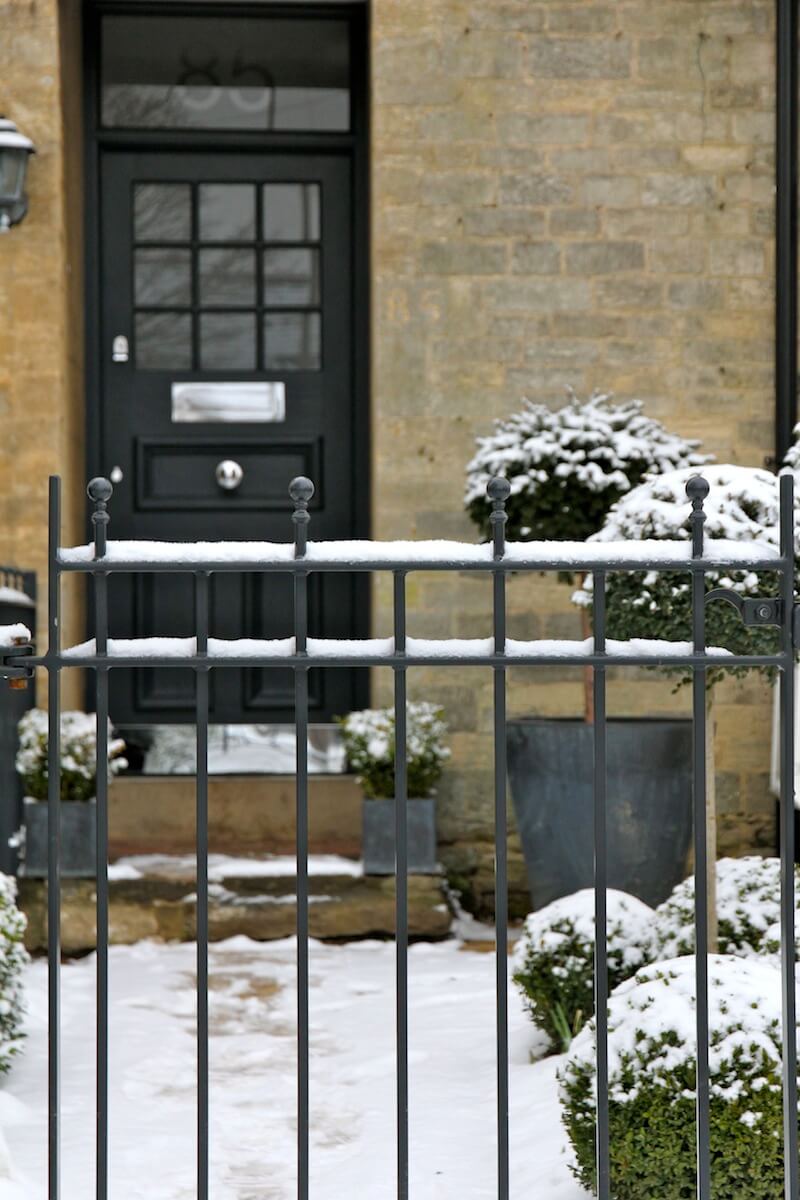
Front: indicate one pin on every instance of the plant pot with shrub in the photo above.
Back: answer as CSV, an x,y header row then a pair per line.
x,y
567,467
78,810
369,740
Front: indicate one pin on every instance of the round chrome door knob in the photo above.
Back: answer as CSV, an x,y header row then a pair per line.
x,y
229,474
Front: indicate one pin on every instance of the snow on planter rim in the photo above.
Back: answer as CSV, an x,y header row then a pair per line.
x,y
422,552
744,1018
179,647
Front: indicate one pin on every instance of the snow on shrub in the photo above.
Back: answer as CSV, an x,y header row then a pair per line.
x,y
78,754
651,1086
13,958
554,958
742,506
748,910
567,466
369,742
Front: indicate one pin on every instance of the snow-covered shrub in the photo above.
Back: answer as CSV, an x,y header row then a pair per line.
x,y
567,466
13,958
748,910
742,506
554,958
651,1086
78,754
369,742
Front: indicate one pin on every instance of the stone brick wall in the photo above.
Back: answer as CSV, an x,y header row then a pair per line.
x,y
566,194
41,339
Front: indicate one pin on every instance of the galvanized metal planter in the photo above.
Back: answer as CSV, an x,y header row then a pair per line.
x,y
78,839
648,811
378,842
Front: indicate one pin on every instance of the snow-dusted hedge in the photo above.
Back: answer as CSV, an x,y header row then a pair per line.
x,y
369,742
78,754
567,466
742,505
13,958
554,958
652,1040
748,910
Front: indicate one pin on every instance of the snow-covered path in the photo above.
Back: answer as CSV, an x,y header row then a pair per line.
x,y
253,1078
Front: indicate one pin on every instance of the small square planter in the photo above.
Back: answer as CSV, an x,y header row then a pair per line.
x,y
378,841
78,839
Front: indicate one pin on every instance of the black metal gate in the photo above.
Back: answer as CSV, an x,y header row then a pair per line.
x,y
300,654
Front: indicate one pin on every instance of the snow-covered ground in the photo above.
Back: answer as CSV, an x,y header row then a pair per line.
x,y
452,1117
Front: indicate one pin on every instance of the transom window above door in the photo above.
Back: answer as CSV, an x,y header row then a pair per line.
x,y
227,276
206,72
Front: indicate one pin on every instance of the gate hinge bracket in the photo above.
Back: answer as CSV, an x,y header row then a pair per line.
x,y
754,611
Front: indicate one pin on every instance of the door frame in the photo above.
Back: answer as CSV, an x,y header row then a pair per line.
x,y
355,143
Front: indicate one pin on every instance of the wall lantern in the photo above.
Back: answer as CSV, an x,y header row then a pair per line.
x,y
15,149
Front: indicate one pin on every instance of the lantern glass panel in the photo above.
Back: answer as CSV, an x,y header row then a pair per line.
x,y
12,172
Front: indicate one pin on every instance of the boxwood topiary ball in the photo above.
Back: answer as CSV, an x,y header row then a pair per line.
x,y
651,1087
554,958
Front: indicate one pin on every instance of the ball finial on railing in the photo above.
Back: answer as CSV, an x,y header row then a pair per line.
x,y
498,489
301,489
99,490
697,488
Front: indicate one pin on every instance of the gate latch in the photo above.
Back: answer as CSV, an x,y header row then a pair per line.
x,y
16,673
753,611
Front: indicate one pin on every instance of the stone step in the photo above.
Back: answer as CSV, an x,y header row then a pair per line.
x,y
159,901
247,814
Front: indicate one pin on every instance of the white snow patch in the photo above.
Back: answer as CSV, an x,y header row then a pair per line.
x,y
152,1077
10,634
224,866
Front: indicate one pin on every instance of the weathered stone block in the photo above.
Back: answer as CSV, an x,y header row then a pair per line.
x,y
579,58
604,258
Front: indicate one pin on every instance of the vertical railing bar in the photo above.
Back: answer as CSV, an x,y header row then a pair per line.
x,y
301,491
54,845
697,490
201,850
498,491
600,887
787,817
100,491
401,884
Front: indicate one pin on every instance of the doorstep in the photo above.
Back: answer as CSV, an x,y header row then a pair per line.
x,y
154,897
247,814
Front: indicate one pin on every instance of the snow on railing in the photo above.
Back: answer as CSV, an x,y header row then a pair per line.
x,y
420,554
376,648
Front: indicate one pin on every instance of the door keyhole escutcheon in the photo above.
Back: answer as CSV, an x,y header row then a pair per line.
x,y
229,474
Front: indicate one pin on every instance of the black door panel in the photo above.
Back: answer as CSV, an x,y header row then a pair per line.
x,y
228,268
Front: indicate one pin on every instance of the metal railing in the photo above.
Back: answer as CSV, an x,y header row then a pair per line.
x,y
102,560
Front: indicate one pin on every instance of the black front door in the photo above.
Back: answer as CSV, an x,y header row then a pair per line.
x,y
225,343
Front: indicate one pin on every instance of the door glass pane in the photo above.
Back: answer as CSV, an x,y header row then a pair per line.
x,y
163,278
228,340
227,277
291,212
292,341
199,72
227,212
164,341
291,276
162,212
